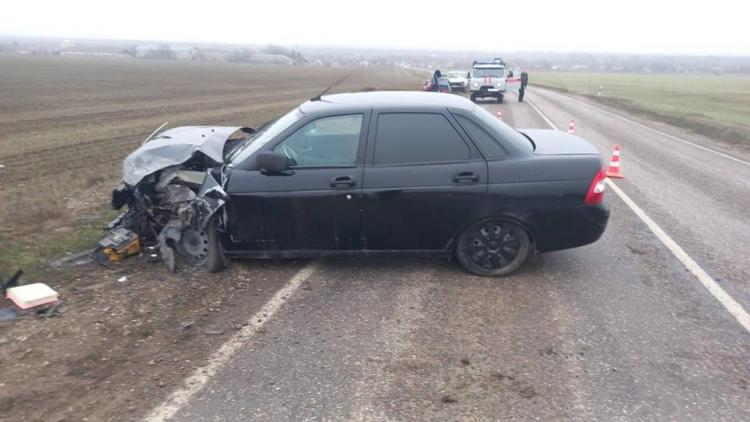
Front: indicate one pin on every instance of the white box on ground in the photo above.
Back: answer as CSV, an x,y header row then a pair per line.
x,y
31,295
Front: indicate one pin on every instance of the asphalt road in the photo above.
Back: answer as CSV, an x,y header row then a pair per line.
x,y
617,330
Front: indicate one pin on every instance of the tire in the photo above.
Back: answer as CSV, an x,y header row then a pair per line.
x,y
500,99
203,249
493,248
473,98
215,260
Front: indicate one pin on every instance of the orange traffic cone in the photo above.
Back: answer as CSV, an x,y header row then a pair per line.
x,y
571,126
500,114
613,170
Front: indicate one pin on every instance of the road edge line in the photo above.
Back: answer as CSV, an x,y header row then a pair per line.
x,y
660,132
727,301
200,377
731,305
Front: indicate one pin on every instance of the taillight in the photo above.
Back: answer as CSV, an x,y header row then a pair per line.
x,y
595,193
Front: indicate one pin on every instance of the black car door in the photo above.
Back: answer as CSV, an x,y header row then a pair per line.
x,y
421,182
315,207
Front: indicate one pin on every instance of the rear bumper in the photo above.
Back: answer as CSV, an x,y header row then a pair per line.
x,y
568,227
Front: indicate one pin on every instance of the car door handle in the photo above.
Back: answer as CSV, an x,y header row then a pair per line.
x,y
466,177
342,182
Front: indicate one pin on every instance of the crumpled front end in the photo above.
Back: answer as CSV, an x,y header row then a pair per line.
x,y
173,188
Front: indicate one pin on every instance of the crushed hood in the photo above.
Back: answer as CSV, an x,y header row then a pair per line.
x,y
173,147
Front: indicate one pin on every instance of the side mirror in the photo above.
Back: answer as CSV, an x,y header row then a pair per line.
x,y
270,162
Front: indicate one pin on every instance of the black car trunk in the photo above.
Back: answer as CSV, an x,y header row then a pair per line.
x,y
554,142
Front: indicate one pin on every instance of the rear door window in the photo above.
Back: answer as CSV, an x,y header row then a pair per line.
x,y
416,138
489,145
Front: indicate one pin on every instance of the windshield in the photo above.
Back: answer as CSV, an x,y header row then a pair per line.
x,y
265,134
492,72
456,74
506,133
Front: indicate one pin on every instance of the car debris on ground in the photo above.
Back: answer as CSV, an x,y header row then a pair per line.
x,y
74,260
120,244
7,314
34,297
172,189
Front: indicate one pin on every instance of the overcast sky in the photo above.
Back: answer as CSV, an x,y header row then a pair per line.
x,y
653,26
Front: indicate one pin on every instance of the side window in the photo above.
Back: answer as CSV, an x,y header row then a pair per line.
x,y
328,141
410,138
489,145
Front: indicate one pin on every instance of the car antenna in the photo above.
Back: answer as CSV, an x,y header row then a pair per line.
x,y
318,97
154,133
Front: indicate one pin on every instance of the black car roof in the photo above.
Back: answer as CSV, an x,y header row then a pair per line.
x,y
387,99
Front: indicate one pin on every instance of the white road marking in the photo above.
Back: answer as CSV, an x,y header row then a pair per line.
x,y
734,308
541,114
200,377
675,138
731,305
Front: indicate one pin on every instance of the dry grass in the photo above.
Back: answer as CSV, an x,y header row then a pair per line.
x,y
711,105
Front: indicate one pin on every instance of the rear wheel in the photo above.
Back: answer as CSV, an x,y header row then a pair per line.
x,y
493,248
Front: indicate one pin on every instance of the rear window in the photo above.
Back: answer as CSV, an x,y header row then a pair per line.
x,y
501,131
413,138
489,145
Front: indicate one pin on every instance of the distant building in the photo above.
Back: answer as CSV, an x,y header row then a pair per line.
x,y
94,54
271,59
167,51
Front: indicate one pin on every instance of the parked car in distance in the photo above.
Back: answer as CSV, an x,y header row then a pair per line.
x,y
370,174
443,85
458,79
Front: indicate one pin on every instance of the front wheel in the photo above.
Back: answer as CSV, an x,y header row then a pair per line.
x,y
500,99
473,98
204,248
493,248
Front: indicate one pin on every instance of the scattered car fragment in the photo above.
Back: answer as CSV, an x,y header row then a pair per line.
x,y
363,174
31,295
121,243
74,260
8,314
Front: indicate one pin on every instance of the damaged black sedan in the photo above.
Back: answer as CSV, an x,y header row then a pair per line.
x,y
364,174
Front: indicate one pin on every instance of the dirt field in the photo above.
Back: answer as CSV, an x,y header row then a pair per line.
x,y
65,126
711,105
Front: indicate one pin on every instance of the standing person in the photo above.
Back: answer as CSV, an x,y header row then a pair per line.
x,y
435,76
524,82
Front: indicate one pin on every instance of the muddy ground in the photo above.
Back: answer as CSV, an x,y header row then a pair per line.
x,y
115,348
